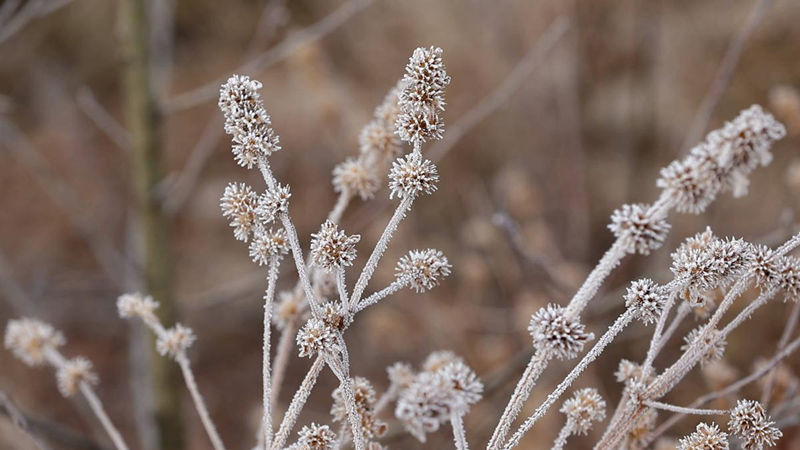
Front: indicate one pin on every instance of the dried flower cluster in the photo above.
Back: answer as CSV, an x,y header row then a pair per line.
x,y
556,334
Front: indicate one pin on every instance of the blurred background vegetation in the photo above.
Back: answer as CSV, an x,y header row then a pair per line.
x,y
521,210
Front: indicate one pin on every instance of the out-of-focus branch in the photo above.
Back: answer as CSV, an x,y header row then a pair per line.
x,y
503,92
275,54
143,120
725,73
13,20
104,121
39,429
110,260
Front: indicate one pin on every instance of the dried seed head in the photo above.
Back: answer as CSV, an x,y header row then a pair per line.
x,y
247,121
707,265
378,141
647,298
638,433
714,344
439,359
690,183
750,423
136,305
175,341
630,372
467,388
419,126
705,437
422,96
238,204
642,232
287,309
422,269
553,332
31,339
316,336
789,277
268,244
766,267
72,373
400,375
584,408
723,161
424,405
365,398
357,177
333,249
316,437
273,202
410,175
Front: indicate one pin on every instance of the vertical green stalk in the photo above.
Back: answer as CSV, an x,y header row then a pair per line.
x,y
143,121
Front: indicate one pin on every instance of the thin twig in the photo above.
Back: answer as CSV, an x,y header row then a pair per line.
x,y
199,404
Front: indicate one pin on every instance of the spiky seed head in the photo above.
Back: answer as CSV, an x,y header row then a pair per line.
x,y
422,269
72,373
273,202
713,344
691,184
247,121
583,409
365,399
640,229
175,341
555,333
411,176
31,339
316,336
331,248
467,388
238,204
316,437
647,298
378,141
356,176
400,375
439,359
705,437
750,423
425,404
766,267
286,309
268,244
789,277
136,305
421,98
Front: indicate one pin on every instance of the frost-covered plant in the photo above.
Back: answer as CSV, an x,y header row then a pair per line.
x,y
709,273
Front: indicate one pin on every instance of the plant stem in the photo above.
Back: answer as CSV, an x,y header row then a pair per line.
x,y
266,423
297,403
199,404
459,435
97,408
